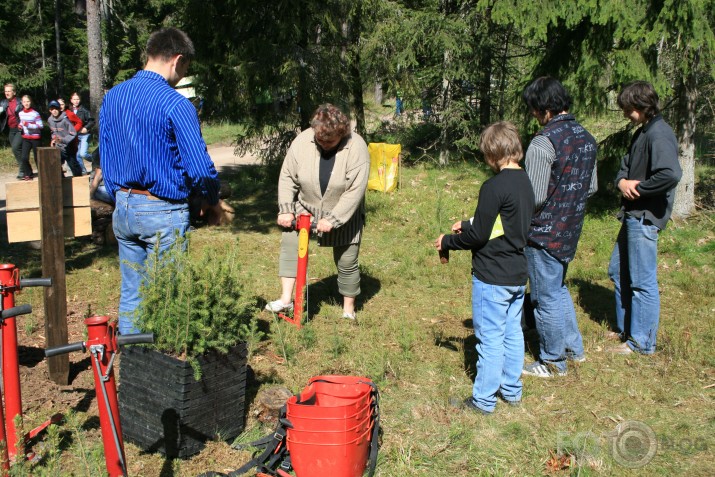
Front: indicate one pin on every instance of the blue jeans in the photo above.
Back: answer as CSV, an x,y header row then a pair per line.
x,y
82,147
496,315
141,224
554,313
634,272
102,194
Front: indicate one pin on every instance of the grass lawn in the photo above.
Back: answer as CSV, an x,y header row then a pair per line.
x,y
413,337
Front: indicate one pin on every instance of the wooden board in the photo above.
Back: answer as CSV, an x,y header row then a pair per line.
x,y
23,209
25,195
24,226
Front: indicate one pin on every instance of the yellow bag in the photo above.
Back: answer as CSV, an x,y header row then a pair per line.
x,y
384,166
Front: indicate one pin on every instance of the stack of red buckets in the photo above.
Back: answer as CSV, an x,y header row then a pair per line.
x,y
332,420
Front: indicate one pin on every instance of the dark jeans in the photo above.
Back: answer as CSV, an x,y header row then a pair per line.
x,y
27,144
15,138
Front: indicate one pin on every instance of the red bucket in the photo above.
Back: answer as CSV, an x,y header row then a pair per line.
x,y
335,431
330,459
304,416
332,421
330,400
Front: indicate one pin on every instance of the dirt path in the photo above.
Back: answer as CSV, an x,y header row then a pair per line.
x,y
223,158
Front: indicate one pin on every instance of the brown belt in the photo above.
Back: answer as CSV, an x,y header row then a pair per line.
x,y
140,192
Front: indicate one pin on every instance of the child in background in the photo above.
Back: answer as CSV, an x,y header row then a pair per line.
x,y
499,269
78,126
31,125
64,137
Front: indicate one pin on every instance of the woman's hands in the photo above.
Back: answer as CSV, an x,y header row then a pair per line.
x,y
324,226
285,220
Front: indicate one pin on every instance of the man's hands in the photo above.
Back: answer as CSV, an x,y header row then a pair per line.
x,y
219,214
628,189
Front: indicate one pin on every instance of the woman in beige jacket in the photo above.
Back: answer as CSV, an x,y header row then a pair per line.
x,y
324,174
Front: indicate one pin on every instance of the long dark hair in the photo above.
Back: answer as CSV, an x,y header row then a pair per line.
x,y
639,96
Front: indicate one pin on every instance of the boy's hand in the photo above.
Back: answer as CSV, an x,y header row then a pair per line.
x,y
628,188
438,242
457,227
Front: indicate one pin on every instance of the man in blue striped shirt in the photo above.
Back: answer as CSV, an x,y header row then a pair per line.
x,y
153,157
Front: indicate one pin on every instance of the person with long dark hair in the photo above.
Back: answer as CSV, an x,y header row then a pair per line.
x,y
647,179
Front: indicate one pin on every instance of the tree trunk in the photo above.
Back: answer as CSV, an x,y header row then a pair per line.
x,y
105,16
42,47
304,100
378,93
354,68
58,46
687,90
94,53
446,100
486,66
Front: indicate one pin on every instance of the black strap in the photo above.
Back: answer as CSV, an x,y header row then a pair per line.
x,y
275,450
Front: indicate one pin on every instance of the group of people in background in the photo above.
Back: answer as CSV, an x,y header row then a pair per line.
x,y
527,225
70,130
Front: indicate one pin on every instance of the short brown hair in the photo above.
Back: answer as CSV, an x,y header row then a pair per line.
x,y
500,144
166,43
329,122
639,96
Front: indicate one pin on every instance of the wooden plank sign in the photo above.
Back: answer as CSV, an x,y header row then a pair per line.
x,y
23,209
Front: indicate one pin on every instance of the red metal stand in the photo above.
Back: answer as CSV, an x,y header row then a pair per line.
x,y
10,282
103,343
303,226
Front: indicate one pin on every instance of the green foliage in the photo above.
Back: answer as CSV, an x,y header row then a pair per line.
x,y
195,304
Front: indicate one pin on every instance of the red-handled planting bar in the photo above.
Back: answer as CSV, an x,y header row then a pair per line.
x,y
102,343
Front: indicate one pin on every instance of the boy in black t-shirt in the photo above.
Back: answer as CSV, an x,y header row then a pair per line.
x,y
497,235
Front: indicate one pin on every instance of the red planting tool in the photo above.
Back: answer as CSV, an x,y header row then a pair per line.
x,y
304,227
103,343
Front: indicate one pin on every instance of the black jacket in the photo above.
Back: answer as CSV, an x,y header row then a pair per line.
x,y
86,117
3,111
653,160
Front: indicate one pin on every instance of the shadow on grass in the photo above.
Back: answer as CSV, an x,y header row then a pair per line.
x,y
325,290
597,301
254,195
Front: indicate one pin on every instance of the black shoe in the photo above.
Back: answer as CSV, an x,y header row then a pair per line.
x,y
468,404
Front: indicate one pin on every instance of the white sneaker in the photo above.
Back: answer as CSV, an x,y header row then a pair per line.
x,y
541,370
278,306
349,316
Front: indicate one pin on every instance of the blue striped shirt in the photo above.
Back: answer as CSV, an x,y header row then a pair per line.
x,y
150,139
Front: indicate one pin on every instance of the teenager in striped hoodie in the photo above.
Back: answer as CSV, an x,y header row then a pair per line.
x,y
31,124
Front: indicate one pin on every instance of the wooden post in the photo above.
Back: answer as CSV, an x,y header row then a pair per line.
x,y
53,259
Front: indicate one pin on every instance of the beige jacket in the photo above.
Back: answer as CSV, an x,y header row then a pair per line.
x,y
343,204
